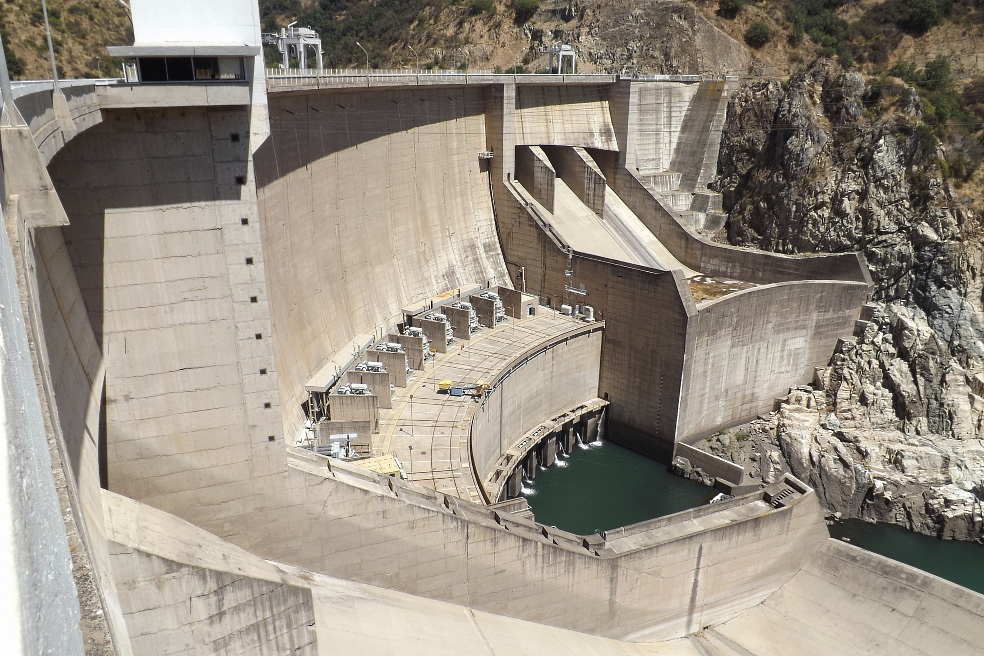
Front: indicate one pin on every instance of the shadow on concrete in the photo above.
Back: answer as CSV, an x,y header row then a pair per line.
x,y
311,126
141,159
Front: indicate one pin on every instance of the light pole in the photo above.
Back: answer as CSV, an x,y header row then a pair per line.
x,y
411,416
417,57
410,462
51,50
367,56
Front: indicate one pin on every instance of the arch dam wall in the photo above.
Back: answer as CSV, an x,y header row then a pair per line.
x,y
154,361
370,202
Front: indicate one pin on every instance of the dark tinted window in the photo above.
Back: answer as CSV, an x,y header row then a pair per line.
x,y
206,68
179,69
153,69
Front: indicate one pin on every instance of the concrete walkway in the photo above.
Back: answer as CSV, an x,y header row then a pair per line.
x,y
436,424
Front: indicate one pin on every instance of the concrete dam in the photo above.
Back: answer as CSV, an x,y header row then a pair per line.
x,y
208,267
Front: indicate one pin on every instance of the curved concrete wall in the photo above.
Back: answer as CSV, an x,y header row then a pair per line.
x,y
370,201
539,385
41,605
568,116
747,348
360,526
157,201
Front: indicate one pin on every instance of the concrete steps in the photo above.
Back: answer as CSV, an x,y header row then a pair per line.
x,y
679,200
707,201
663,183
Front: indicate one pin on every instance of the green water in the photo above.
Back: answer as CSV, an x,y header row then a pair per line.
x,y
603,486
960,562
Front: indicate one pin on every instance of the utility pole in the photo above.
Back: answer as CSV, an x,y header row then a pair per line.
x,y
51,49
8,95
367,56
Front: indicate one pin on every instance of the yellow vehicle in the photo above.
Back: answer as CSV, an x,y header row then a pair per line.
x,y
444,386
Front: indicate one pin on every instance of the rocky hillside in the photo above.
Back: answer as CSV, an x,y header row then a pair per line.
x,y
892,429
609,35
81,30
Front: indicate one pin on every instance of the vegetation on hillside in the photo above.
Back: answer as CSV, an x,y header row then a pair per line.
x,y
378,26
871,35
953,115
80,31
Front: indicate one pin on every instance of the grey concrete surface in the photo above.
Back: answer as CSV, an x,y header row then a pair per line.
x,y
203,314
537,174
581,175
424,225
540,366
41,604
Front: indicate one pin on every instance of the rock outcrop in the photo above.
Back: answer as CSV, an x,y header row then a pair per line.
x,y
892,429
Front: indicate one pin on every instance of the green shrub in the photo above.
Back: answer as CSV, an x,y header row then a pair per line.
x,y
525,9
758,34
478,7
729,8
920,15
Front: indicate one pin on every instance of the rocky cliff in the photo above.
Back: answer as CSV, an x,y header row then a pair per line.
x,y
892,429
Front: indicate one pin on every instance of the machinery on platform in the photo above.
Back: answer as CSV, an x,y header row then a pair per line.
x,y
293,42
472,315
354,389
437,316
500,311
414,331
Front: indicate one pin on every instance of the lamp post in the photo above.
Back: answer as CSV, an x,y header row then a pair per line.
x,y
411,416
410,462
367,56
417,57
51,49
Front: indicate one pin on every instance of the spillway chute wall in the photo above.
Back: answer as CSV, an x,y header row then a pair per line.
x,y
552,379
750,347
370,201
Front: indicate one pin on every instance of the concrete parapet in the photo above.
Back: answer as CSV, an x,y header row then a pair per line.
x,y
436,332
414,347
728,261
710,464
394,363
535,172
495,561
484,309
355,407
460,321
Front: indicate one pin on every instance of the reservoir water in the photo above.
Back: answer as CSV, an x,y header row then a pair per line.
x,y
960,562
603,486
